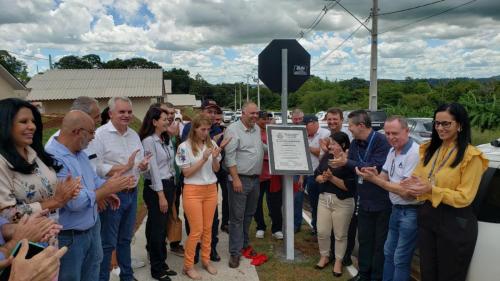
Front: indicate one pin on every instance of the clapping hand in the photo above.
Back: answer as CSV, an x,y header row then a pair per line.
x,y
328,174
216,152
340,160
320,178
67,190
367,172
173,129
143,165
207,153
416,186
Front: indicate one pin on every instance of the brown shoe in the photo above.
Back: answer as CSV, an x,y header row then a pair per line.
x,y
210,268
191,273
234,261
177,250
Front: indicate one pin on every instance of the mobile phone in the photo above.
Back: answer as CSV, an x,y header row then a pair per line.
x,y
34,249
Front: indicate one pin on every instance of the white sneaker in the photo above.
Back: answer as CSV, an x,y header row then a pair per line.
x,y
137,263
116,271
259,234
278,235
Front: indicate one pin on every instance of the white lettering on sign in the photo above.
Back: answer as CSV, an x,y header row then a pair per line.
x,y
300,70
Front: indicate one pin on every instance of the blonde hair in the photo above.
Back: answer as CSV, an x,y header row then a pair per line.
x,y
198,121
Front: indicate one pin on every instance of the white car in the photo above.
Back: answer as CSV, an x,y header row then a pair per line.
x,y
487,207
227,116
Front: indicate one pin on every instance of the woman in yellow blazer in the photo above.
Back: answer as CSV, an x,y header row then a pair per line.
x,y
447,179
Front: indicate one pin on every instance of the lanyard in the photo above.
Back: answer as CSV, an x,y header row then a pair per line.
x,y
431,172
367,149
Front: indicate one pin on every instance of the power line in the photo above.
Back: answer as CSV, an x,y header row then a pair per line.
x,y
428,17
338,2
342,43
409,9
317,20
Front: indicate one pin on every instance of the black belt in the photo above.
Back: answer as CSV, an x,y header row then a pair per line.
x,y
409,206
72,232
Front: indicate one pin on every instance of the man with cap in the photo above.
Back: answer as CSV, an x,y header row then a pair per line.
x,y
314,135
210,108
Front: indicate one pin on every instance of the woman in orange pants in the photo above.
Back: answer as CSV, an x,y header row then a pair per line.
x,y
199,158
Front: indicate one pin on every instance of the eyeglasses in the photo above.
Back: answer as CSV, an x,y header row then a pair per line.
x,y
92,132
444,124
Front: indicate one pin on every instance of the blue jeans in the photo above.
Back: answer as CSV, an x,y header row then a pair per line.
x,y
84,255
313,194
116,233
298,199
400,243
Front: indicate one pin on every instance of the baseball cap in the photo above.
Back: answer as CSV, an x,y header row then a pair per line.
x,y
210,104
310,118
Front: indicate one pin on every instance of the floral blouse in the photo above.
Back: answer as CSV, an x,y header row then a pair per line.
x,y
21,193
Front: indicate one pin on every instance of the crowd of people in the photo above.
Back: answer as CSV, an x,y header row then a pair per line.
x,y
77,196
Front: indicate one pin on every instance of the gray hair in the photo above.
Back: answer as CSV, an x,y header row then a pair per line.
x,y
246,104
84,104
112,102
400,119
297,111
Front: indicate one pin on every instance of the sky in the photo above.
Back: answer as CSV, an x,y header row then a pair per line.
x,y
221,39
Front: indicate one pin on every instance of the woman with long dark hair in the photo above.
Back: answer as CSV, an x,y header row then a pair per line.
x,y
28,181
159,188
447,179
336,203
199,158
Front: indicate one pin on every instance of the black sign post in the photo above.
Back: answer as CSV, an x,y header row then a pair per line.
x,y
284,65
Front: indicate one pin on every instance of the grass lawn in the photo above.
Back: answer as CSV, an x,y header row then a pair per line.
x,y
306,256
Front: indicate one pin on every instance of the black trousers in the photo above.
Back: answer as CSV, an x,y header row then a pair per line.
x,y
222,180
446,238
373,228
274,202
156,225
178,191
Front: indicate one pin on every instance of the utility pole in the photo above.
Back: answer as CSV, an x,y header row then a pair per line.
x,y
235,101
240,94
258,93
373,61
248,76
50,61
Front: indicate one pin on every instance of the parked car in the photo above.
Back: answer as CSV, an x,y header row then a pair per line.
x,y
276,116
227,116
420,129
378,119
321,115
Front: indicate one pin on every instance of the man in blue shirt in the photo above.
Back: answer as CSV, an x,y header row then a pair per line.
x,y
368,149
79,217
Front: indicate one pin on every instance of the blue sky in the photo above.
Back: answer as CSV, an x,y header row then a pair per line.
x,y
221,39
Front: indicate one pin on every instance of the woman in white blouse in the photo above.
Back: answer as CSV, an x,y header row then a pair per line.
x,y
159,188
199,157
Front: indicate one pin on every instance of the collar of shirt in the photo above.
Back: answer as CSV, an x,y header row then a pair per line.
x,y
364,143
111,128
244,128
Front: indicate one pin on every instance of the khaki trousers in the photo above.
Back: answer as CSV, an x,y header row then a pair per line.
x,y
333,213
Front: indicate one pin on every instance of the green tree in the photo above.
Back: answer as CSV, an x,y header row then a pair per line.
x,y
15,67
181,82
94,60
72,62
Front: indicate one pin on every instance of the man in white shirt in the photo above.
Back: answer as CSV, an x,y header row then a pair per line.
x,y
314,135
119,150
400,163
